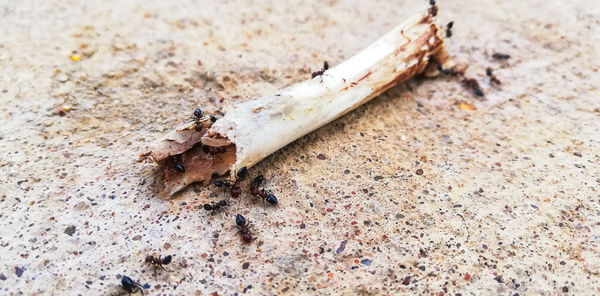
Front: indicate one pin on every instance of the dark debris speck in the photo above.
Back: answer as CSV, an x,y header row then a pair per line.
x,y
341,247
406,281
70,230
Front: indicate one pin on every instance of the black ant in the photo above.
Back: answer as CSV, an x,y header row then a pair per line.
x,y
130,286
320,72
198,117
158,261
441,69
474,85
265,195
500,56
179,163
434,9
243,228
234,187
492,77
449,29
213,151
215,206
445,71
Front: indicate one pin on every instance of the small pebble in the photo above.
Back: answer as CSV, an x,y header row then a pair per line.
x,y
62,77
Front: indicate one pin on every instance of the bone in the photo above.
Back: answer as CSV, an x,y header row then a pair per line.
x,y
258,128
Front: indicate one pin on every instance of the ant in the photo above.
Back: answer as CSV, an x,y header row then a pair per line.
x,y
179,163
215,206
449,29
468,82
198,118
265,195
441,69
500,56
213,150
445,71
492,77
320,72
158,261
434,9
234,187
243,228
474,85
130,286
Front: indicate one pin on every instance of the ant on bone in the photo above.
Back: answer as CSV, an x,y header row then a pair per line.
x,y
320,72
179,163
200,120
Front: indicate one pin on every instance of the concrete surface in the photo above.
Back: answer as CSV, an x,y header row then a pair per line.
x,y
414,192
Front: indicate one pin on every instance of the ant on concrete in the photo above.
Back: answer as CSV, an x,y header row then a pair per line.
x,y
489,72
243,228
158,261
130,286
234,187
474,85
179,163
265,195
449,29
215,206
500,56
320,72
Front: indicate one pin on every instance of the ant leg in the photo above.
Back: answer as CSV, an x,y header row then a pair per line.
x,y
239,202
139,288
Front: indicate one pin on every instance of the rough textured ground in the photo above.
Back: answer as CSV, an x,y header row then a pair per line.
x,y
414,194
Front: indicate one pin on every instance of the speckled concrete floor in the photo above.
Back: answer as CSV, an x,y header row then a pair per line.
x,y
412,194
